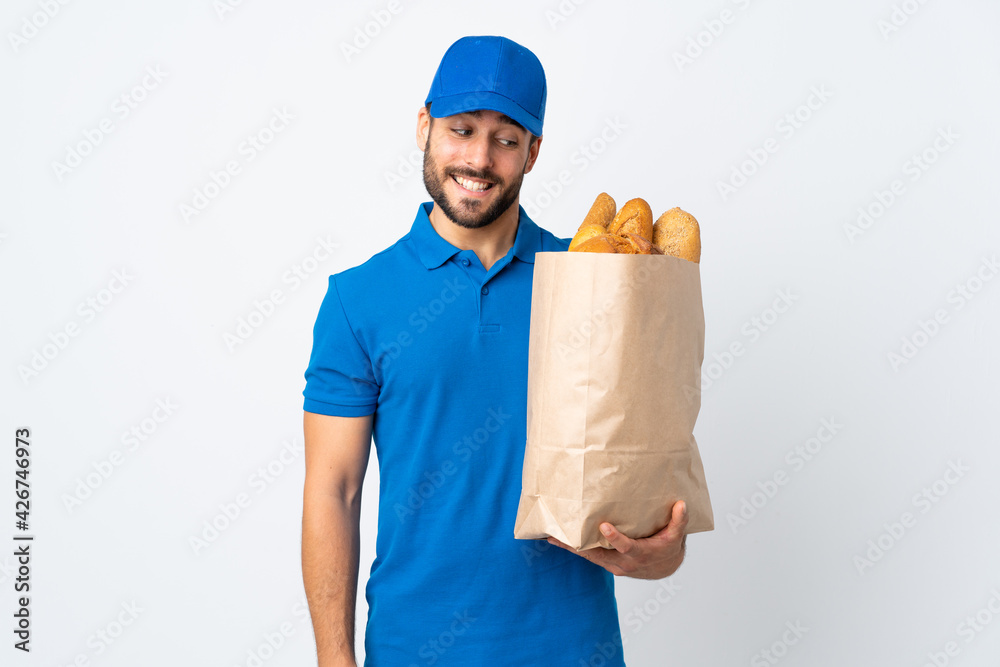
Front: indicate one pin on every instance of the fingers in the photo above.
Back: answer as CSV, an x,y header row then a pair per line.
x,y
676,529
596,556
680,510
621,542
552,540
652,557
678,521
585,553
676,524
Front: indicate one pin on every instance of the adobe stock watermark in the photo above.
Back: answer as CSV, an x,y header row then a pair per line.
x,y
365,34
31,25
420,320
432,650
274,640
581,335
603,652
924,501
900,15
590,321
913,168
224,7
120,109
413,162
87,310
701,41
105,636
562,12
957,299
580,160
264,309
786,127
780,647
796,458
968,629
432,480
532,549
269,645
231,510
641,615
8,568
131,439
248,150
752,330
586,153
406,166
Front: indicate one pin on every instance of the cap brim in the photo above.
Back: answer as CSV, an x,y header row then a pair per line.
x,y
456,104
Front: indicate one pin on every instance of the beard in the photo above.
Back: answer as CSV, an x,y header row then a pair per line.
x,y
466,211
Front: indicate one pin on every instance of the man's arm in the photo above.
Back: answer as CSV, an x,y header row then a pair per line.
x,y
337,450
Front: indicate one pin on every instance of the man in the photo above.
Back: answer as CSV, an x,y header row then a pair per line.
x,y
424,347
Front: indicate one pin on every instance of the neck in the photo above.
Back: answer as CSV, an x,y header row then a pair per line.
x,y
490,243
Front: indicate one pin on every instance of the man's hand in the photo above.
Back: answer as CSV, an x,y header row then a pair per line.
x,y
653,557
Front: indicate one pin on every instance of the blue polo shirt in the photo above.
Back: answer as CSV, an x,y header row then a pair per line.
x,y
436,347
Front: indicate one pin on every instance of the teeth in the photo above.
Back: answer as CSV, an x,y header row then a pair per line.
x,y
471,185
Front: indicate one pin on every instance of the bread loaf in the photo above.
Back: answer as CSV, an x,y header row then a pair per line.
x,y
600,243
631,231
676,233
639,245
601,212
635,217
586,232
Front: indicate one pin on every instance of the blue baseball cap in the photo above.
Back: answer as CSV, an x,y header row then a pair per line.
x,y
493,73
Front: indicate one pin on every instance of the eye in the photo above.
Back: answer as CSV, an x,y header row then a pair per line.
x,y
509,143
461,131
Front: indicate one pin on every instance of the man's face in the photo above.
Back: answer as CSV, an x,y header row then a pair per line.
x,y
474,164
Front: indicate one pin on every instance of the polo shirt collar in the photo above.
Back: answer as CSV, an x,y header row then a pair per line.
x,y
435,251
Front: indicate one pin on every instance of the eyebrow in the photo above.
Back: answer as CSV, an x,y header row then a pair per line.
x,y
504,118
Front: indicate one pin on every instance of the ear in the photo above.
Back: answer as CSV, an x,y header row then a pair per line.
x,y
532,154
423,128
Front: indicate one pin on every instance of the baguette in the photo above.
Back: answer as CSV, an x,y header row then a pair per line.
x,y
601,212
635,217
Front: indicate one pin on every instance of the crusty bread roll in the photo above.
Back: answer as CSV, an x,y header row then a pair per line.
x,y
621,244
586,232
639,245
676,233
600,243
601,213
635,217
631,231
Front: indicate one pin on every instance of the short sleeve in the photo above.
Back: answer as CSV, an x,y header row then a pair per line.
x,y
339,379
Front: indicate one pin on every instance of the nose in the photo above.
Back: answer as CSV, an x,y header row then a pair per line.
x,y
479,152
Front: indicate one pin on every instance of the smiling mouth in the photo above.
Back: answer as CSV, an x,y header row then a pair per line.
x,y
471,185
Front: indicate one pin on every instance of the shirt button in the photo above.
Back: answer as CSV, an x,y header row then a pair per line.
x,y
485,290
465,262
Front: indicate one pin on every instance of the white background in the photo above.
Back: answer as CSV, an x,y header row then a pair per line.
x,y
673,130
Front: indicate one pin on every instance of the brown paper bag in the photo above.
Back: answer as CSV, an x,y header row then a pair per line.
x,y
614,388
